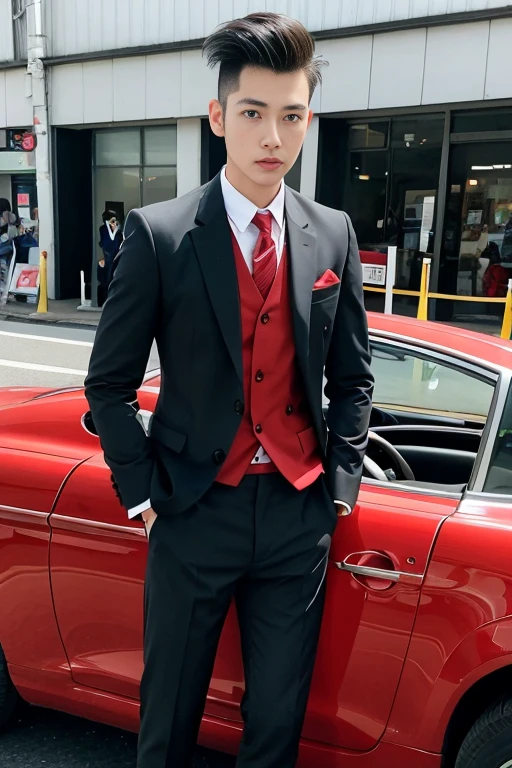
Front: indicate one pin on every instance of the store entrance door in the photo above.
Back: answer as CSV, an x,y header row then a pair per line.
x,y
479,227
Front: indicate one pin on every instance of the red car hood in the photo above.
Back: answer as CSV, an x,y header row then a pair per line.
x,y
13,395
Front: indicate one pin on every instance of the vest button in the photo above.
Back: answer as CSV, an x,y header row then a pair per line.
x,y
219,456
259,376
265,318
289,410
239,407
258,429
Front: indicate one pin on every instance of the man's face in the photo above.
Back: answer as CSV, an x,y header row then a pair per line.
x,y
266,118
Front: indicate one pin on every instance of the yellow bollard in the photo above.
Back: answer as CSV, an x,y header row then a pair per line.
x,y
42,305
506,328
424,288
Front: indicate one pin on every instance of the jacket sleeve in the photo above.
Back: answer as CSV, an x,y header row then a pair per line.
x,y
119,359
349,382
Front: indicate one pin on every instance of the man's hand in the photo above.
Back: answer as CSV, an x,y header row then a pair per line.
x,y
149,517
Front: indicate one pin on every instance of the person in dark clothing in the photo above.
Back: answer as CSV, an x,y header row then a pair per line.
x,y
111,238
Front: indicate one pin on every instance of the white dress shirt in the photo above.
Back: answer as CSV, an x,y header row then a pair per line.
x,y
240,212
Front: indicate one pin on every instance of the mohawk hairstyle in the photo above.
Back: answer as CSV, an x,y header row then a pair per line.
x,y
267,40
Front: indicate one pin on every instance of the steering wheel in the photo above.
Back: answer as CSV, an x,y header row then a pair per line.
x,y
398,461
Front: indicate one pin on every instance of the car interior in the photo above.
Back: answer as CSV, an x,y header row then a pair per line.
x,y
435,447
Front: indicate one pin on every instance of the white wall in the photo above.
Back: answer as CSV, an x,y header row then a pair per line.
x,y
463,62
439,65
15,106
6,34
78,26
189,156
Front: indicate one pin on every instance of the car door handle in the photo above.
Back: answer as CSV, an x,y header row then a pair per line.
x,y
388,573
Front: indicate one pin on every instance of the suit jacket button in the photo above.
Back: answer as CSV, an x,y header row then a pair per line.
x,y
289,410
265,318
258,429
219,456
259,376
239,407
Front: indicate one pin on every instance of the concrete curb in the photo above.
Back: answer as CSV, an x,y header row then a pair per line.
x,y
50,318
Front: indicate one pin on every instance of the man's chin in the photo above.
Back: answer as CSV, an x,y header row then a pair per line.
x,y
267,178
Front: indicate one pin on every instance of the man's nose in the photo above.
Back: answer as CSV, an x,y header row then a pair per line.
x,y
271,138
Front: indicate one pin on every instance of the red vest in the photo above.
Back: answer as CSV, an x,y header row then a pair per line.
x,y
276,413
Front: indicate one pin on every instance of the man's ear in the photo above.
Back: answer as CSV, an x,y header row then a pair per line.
x,y
216,117
310,117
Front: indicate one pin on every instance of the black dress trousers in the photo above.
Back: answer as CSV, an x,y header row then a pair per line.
x,y
265,544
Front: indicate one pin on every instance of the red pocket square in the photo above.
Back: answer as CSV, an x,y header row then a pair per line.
x,y
328,278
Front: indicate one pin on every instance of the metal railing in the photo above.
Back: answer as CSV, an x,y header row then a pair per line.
x,y
424,295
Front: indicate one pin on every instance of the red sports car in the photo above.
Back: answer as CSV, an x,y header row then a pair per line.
x,y
414,668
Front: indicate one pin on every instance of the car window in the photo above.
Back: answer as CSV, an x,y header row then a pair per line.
x,y
499,478
409,381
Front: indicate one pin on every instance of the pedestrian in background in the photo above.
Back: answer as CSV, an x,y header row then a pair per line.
x,y
111,239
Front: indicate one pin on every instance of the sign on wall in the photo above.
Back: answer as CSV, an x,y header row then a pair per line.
x,y
374,267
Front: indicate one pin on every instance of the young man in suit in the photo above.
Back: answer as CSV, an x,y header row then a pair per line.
x,y
250,291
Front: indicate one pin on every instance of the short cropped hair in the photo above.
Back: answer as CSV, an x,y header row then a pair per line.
x,y
267,40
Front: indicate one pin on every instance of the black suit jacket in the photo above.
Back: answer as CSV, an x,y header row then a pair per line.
x,y
176,282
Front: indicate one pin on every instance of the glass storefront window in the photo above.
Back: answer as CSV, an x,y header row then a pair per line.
x,y
117,188
477,242
365,195
498,120
368,136
118,147
158,184
421,132
133,167
160,145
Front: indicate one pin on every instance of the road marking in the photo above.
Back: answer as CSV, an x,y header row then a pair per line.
x,y
38,367
46,338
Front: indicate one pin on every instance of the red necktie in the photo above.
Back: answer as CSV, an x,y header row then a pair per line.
x,y
264,257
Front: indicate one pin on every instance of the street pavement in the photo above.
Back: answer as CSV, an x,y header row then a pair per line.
x,y
58,356
33,355
46,739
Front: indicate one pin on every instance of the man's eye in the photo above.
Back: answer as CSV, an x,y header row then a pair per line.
x,y
250,113
295,119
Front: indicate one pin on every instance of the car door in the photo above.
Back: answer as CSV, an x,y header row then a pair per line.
x,y
379,557
97,569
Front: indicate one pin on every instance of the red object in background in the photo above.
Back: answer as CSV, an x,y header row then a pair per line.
x,y
373,257
23,199
395,657
28,142
28,278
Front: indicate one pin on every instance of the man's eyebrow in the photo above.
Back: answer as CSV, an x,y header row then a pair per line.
x,y
257,103
251,102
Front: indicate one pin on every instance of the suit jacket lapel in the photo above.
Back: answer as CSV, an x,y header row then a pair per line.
x,y
212,242
303,271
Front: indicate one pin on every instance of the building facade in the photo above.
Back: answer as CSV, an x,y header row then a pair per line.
x,y
412,132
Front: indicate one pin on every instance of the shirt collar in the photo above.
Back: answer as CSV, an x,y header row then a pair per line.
x,y
241,211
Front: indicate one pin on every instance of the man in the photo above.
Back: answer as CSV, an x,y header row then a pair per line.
x,y
249,289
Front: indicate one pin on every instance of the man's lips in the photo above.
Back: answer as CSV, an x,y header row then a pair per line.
x,y
269,163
